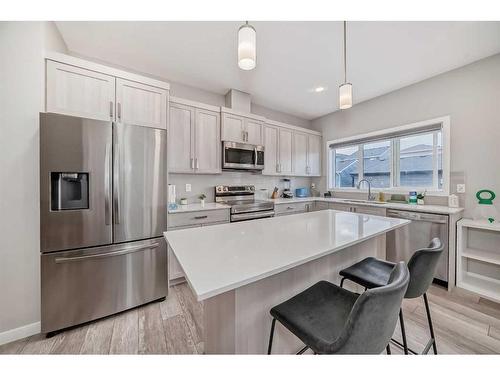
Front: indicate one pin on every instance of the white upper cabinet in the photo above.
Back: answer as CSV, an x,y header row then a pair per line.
x,y
80,92
242,129
140,104
271,157
233,128
299,154
285,151
314,155
82,88
194,138
254,131
207,141
290,150
181,138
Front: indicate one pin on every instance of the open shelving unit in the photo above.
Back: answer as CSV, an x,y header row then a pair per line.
x,y
478,257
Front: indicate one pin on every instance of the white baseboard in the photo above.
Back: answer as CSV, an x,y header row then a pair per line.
x,y
19,333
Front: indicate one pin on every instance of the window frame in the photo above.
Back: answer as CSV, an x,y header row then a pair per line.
x,y
397,133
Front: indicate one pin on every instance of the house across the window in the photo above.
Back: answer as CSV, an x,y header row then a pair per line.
x,y
405,159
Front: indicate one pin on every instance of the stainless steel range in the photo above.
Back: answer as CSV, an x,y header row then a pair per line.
x,y
243,203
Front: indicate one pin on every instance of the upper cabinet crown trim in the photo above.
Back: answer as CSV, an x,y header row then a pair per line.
x,y
192,103
292,127
242,114
81,63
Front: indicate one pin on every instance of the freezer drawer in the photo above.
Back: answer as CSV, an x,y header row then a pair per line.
x,y
403,242
83,285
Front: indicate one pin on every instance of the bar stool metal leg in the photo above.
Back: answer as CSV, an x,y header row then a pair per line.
x,y
431,329
342,282
388,349
269,348
403,331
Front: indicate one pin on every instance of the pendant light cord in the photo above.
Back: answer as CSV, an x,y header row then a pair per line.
x,y
345,54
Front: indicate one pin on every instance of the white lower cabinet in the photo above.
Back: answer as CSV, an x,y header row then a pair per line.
x,y
319,206
379,211
184,220
293,208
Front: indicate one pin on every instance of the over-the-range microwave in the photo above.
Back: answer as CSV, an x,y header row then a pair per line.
x,y
242,156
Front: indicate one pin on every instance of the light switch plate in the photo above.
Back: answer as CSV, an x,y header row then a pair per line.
x,y
460,188
188,188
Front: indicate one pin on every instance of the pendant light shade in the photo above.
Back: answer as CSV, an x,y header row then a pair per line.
x,y
345,90
345,96
247,47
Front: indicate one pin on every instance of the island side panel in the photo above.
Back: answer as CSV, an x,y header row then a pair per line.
x,y
241,320
220,323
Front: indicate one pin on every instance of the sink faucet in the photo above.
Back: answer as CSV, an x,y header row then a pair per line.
x,y
370,196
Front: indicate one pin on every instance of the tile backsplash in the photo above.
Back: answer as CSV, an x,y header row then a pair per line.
x,y
206,183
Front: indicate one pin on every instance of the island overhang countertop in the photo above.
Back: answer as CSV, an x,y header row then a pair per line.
x,y
219,258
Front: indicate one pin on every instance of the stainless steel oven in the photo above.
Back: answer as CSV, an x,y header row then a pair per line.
x,y
242,156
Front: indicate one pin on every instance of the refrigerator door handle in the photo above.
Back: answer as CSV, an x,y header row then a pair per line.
x,y
116,183
107,184
127,250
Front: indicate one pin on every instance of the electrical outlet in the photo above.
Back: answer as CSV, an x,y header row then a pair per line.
x,y
460,188
188,188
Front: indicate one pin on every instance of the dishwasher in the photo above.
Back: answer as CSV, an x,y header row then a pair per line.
x,y
403,242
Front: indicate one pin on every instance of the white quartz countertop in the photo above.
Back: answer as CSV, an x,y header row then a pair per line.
x,y
198,207
396,206
223,257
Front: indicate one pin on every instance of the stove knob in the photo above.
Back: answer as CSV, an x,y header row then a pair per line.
x,y
252,188
225,188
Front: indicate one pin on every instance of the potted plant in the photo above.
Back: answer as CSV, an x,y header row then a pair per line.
x,y
420,198
184,201
202,199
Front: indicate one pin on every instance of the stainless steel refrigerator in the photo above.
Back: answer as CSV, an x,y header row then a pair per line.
x,y
103,209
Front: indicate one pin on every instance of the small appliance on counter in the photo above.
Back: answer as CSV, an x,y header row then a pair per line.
x,y
172,205
287,192
275,194
302,192
485,210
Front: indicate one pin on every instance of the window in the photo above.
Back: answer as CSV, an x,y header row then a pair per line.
x,y
404,158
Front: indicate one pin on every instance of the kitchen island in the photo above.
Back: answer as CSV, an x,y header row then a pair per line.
x,y
240,270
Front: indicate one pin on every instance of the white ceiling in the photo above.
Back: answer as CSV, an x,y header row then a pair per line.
x,y
292,57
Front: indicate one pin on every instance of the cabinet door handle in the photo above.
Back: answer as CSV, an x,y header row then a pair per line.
x,y
119,111
243,135
197,164
192,163
289,208
200,217
111,109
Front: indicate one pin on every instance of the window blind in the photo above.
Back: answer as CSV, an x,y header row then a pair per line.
x,y
387,136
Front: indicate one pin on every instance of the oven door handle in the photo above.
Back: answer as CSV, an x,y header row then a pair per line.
x,y
122,251
252,215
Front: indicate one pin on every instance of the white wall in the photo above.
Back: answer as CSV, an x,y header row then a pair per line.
x,y
22,47
470,95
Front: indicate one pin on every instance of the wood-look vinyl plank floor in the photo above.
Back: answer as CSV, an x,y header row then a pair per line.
x,y
464,323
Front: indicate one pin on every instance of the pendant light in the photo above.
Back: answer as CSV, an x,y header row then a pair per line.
x,y
247,47
345,90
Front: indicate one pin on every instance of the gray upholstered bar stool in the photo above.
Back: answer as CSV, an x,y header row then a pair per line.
x,y
373,273
332,320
